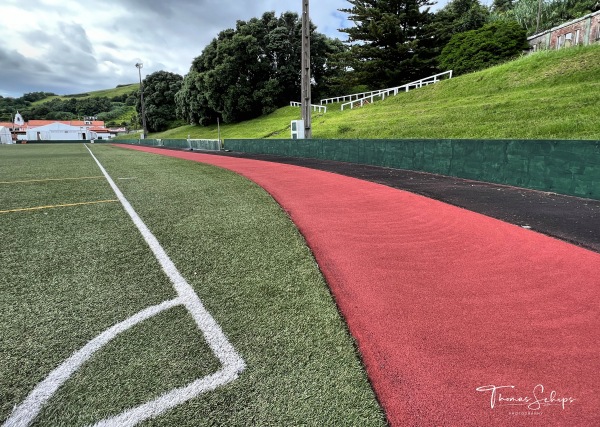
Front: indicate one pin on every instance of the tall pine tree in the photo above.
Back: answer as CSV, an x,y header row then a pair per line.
x,y
390,42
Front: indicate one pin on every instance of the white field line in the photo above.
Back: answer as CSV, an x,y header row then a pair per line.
x,y
26,412
231,361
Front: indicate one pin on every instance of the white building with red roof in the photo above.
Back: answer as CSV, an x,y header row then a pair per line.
x,y
57,130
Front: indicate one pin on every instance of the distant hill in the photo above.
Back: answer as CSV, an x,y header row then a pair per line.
x,y
120,90
545,95
113,106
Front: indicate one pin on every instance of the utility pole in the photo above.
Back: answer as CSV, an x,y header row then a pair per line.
x,y
306,79
539,17
139,66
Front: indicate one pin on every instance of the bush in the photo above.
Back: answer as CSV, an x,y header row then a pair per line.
x,y
113,114
478,49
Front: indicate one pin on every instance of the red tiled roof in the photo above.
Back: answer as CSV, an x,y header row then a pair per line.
x,y
37,123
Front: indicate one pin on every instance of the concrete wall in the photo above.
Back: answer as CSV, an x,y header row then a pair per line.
x,y
567,167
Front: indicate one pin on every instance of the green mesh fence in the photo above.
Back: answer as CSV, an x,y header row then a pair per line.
x,y
181,144
67,141
561,166
205,144
144,142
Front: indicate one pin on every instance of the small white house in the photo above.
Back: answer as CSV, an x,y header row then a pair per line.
x,y
5,136
59,132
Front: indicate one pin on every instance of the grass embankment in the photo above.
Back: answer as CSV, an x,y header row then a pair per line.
x,y
545,95
70,273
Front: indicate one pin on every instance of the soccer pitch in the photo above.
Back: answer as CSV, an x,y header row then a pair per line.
x,y
227,322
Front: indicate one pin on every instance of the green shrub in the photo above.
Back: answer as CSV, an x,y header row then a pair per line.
x,y
478,49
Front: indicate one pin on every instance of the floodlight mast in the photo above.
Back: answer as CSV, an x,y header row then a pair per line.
x,y
139,66
306,79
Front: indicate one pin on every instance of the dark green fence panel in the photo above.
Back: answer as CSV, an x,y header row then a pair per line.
x,y
144,142
567,167
67,141
182,144
127,141
329,150
205,144
517,164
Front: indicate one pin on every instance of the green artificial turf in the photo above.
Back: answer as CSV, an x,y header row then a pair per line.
x,y
70,273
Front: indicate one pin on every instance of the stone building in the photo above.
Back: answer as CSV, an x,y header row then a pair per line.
x,y
579,32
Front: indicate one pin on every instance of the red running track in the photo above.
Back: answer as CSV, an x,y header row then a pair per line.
x,y
443,301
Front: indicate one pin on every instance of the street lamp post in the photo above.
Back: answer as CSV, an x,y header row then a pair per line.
x,y
139,66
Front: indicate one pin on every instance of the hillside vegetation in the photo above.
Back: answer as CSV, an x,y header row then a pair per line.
x,y
114,106
545,95
103,93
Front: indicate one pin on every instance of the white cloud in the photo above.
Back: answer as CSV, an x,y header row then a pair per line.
x,y
69,46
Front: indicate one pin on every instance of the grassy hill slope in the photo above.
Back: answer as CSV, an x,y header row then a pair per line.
x,y
124,116
545,95
106,93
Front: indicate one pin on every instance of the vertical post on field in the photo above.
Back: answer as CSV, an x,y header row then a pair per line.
x,y
306,79
219,131
139,66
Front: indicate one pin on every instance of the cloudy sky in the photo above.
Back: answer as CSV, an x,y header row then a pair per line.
x,y
67,46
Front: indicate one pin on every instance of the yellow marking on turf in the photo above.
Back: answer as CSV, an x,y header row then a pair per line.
x,y
37,208
51,179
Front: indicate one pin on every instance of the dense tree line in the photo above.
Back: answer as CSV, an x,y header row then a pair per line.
x,y
8,107
160,89
254,69
389,42
72,108
489,45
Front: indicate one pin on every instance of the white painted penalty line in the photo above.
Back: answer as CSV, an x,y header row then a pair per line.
x,y
232,363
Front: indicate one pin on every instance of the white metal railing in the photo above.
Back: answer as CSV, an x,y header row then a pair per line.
x,y
319,108
350,97
361,99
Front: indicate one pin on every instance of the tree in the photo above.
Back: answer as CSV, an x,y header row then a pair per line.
x,y
186,99
331,72
37,96
254,69
482,48
389,43
459,16
456,17
93,106
502,6
159,99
